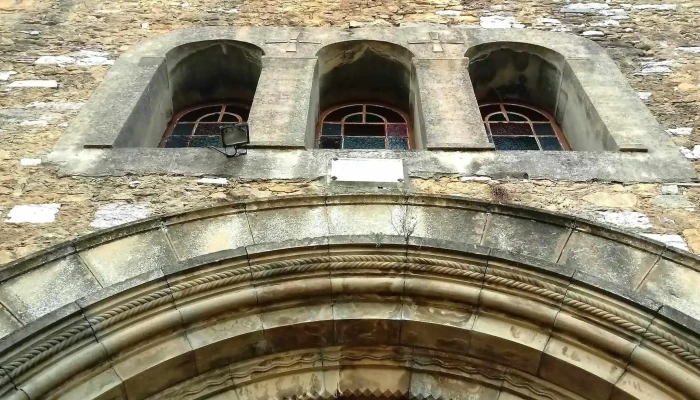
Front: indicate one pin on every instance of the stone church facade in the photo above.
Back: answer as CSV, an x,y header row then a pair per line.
x,y
437,210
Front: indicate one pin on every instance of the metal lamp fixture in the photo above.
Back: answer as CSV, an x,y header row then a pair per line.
x,y
236,136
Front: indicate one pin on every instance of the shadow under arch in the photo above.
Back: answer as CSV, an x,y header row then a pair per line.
x,y
213,70
365,71
539,76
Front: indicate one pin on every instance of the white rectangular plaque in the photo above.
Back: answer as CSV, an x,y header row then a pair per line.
x,y
369,170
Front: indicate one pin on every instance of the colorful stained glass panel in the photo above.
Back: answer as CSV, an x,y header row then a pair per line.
x,y
543,129
397,130
177,141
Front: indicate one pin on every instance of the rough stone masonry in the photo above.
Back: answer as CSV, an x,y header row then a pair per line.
x,y
53,54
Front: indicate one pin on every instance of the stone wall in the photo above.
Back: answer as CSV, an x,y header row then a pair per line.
x,y
657,46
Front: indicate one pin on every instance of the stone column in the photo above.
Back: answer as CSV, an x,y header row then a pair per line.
x,y
279,115
451,115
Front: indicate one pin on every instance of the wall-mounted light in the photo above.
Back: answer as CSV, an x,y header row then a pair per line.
x,y
235,136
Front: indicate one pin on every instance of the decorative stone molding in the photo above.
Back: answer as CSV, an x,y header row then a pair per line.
x,y
354,316
548,329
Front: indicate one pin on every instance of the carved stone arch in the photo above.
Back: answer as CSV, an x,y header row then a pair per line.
x,y
349,315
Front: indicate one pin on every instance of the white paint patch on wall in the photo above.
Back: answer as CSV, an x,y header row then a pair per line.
x,y
499,22
34,84
693,154
5,75
110,215
449,13
85,58
33,213
30,162
584,8
644,96
213,181
691,50
653,7
679,131
669,240
656,67
56,106
625,219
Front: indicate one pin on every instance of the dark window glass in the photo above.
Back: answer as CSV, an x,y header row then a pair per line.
x,y
354,118
543,129
207,129
525,129
210,118
506,129
516,118
497,117
389,114
486,110
364,127
177,141
531,114
227,117
364,130
515,143
182,130
330,142
373,118
397,130
339,114
206,141
331,130
364,143
550,143
398,143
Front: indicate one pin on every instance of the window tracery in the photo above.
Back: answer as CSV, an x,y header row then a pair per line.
x,y
200,126
364,126
513,126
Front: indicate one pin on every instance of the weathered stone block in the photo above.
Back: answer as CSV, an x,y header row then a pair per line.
x,y
288,224
195,238
122,259
35,293
461,226
607,259
528,237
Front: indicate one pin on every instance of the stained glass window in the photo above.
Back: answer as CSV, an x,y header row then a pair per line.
x,y
364,126
200,126
517,127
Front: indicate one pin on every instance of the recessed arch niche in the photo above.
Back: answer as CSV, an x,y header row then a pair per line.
x,y
196,73
365,71
541,77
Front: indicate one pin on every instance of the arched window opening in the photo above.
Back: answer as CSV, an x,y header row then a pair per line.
x,y
512,126
200,126
365,94
514,73
364,126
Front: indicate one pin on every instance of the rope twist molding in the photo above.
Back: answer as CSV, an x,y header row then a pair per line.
x,y
81,330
